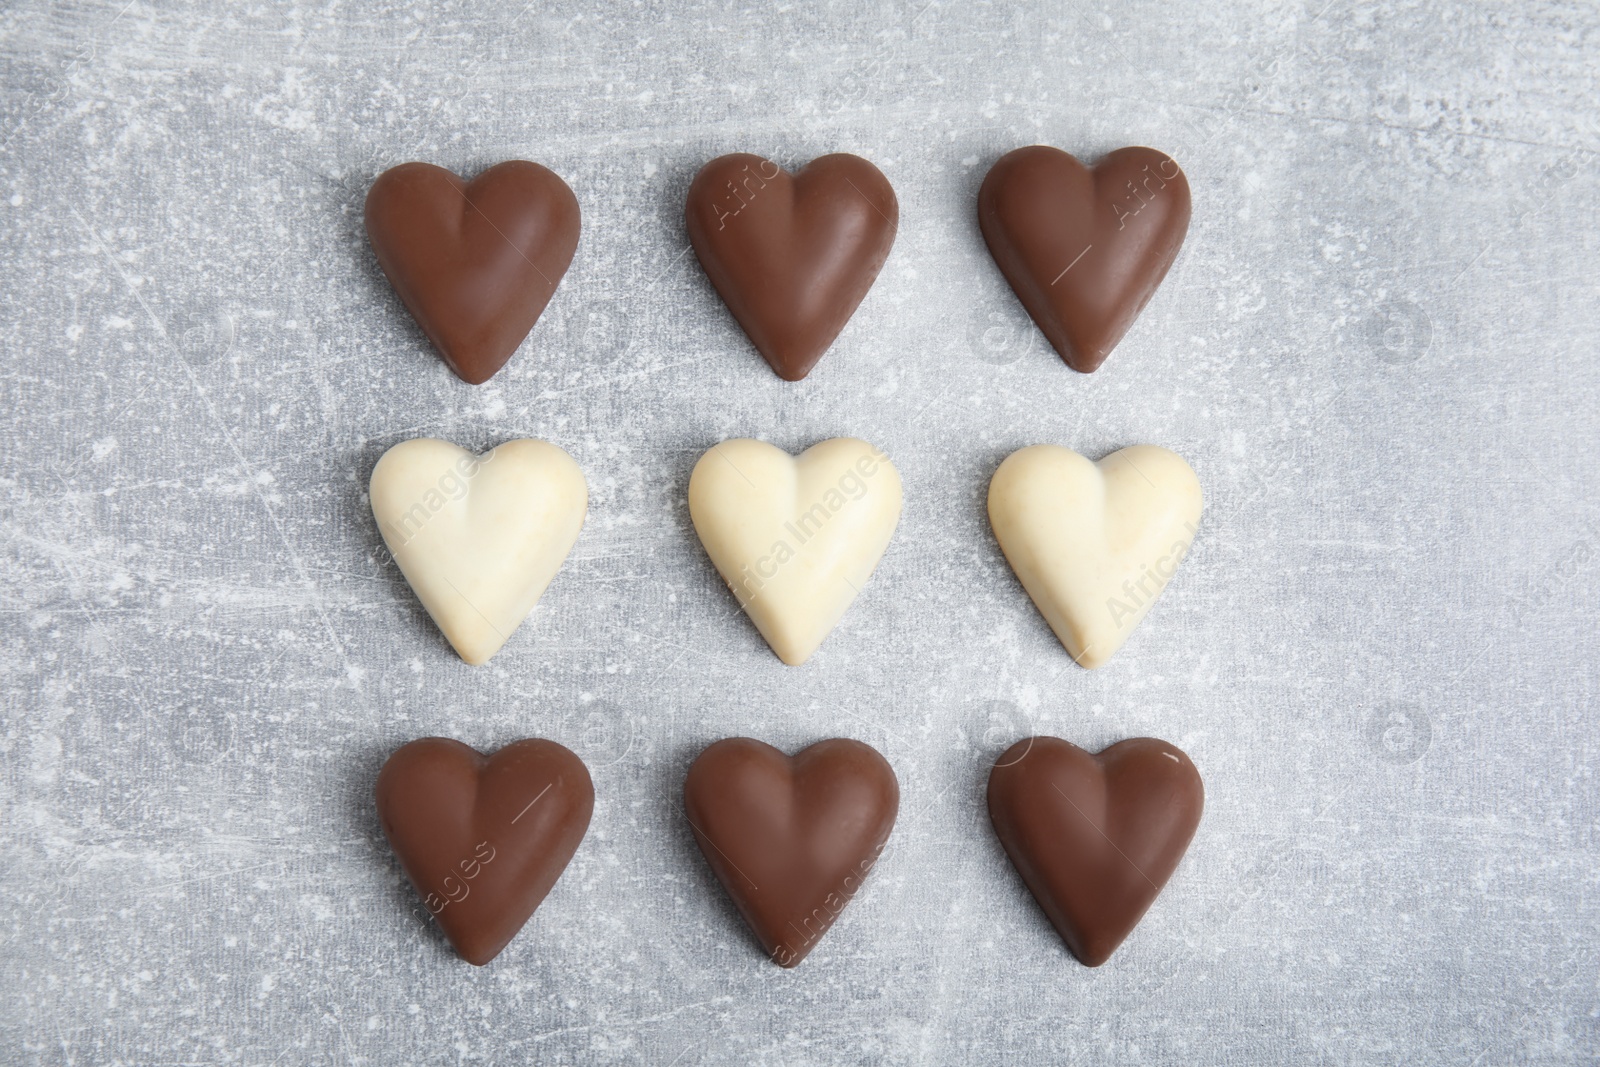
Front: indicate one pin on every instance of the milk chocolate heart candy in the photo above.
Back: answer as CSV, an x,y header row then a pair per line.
x,y
792,257
1094,544
483,839
475,262
1095,837
478,537
1083,247
791,839
795,538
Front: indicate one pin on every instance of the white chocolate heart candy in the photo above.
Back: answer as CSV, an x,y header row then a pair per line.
x,y
478,537
795,538
1094,543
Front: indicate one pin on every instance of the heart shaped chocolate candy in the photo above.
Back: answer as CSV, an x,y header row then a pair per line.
x,y
483,839
1095,837
1084,247
792,256
791,839
474,262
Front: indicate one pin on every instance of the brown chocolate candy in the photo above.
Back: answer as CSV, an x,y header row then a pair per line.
x,y
1095,837
475,262
792,256
791,839
483,838
1084,248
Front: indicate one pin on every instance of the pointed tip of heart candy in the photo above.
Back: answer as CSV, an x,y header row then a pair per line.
x,y
1096,956
1080,352
794,368
476,375
791,653
475,654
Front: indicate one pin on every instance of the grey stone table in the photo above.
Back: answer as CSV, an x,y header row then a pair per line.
x,y
1377,348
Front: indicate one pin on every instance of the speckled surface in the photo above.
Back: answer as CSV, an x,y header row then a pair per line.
x,y
1377,348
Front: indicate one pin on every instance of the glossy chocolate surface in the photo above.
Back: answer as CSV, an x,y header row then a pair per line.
x,y
791,839
1095,837
475,262
483,839
1084,247
792,256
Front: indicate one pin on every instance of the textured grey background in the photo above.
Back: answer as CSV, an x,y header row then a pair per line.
x,y
1377,348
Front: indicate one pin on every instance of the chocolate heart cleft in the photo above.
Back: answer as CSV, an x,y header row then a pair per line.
x,y
1084,248
1095,838
483,838
792,257
474,262
791,839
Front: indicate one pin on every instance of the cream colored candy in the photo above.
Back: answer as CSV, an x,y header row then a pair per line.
x,y
478,537
795,538
1094,543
